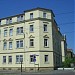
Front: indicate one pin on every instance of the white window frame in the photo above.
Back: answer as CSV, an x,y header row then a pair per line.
x,y
10,45
32,57
19,44
19,30
5,45
31,16
0,22
45,28
11,32
46,42
31,28
9,59
44,15
46,58
4,59
20,18
0,32
19,58
5,32
31,42
9,20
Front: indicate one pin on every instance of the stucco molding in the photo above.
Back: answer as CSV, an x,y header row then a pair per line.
x,y
45,36
31,36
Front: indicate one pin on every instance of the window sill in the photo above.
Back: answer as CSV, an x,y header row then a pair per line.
x,y
19,63
5,36
20,48
44,17
46,47
4,49
31,47
46,63
10,35
10,63
45,31
20,34
31,31
10,49
32,62
3,63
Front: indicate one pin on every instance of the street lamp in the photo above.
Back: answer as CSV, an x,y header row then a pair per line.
x,y
21,66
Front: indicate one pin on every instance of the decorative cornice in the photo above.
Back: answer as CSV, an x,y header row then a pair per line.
x,y
12,23
10,39
31,36
4,40
45,36
38,18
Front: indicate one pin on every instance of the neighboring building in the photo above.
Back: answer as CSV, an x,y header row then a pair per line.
x,y
70,53
28,37
64,48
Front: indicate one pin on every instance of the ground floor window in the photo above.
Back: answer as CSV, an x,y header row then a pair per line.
x,y
19,58
4,59
32,58
9,59
46,58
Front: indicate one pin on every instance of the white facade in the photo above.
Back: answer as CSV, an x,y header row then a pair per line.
x,y
33,33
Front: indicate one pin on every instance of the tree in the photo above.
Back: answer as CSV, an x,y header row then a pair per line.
x,y
68,61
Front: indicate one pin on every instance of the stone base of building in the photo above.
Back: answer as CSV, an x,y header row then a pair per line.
x,y
27,69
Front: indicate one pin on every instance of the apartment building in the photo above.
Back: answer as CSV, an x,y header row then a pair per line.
x,y
32,38
70,53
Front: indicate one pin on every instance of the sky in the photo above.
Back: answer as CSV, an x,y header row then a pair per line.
x,y
63,10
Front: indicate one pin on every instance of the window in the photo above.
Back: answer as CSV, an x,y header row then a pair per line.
x,y
5,32
20,18
5,46
19,44
31,42
4,59
31,28
10,45
20,30
0,22
31,15
0,32
44,15
11,32
45,42
10,59
19,58
8,20
32,58
46,58
45,28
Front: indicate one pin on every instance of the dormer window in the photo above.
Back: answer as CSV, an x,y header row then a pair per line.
x,y
20,18
0,22
9,20
44,15
31,15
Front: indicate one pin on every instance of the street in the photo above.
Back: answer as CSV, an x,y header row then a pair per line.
x,y
56,72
